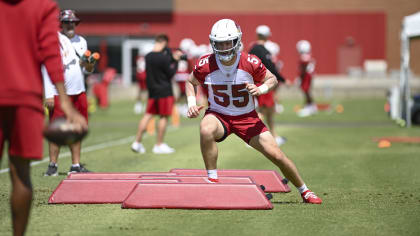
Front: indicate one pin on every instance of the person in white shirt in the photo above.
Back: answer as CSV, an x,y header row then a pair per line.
x,y
72,47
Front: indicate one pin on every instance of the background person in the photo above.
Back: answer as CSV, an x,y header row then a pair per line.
x,y
230,77
306,70
161,66
72,48
141,80
26,43
266,103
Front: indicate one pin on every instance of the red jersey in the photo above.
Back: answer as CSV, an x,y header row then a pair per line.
x,y
306,65
225,87
28,39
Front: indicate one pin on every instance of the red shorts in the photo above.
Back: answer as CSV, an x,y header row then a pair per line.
x,y
305,83
79,102
266,100
245,126
181,85
141,78
22,126
160,106
142,84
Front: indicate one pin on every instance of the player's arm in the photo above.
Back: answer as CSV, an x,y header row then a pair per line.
x,y
48,89
190,88
269,83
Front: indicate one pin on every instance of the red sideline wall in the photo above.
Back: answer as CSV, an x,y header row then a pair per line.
x,y
326,31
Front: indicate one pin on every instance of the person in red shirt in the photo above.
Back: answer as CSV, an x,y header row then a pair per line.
x,y
25,44
229,78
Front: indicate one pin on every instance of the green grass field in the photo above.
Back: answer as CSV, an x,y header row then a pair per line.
x,y
366,190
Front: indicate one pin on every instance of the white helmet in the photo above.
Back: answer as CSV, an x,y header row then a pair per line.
x,y
272,47
263,30
187,45
303,46
222,31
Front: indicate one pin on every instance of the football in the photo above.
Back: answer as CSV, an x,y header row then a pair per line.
x,y
60,132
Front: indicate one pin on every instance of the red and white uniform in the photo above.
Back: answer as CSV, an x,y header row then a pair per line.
x,y
227,95
73,80
225,89
306,70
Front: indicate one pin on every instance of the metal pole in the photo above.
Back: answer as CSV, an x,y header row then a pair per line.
x,y
126,62
407,84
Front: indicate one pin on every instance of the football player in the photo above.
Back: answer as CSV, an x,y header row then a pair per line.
x,y
266,102
306,70
230,77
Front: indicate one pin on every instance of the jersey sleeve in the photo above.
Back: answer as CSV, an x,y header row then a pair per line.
x,y
258,71
201,68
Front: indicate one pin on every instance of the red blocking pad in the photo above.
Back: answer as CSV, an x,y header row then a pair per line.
x,y
113,175
203,179
197,196
76,191
271,180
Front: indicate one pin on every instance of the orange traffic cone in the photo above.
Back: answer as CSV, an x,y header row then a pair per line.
x,y
384,144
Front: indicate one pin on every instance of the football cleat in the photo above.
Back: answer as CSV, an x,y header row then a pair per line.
x,y
310,197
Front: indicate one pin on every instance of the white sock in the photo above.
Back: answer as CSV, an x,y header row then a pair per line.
x,y
52,163
212,174
303,188
75,165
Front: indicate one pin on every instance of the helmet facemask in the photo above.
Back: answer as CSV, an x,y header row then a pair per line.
x,y
223,51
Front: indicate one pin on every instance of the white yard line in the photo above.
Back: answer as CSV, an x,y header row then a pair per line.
x,y
84,150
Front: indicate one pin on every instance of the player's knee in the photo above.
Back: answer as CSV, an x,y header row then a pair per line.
x,y
207,131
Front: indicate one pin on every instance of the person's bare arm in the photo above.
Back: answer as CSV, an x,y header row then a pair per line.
x,y
190,88
269,83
